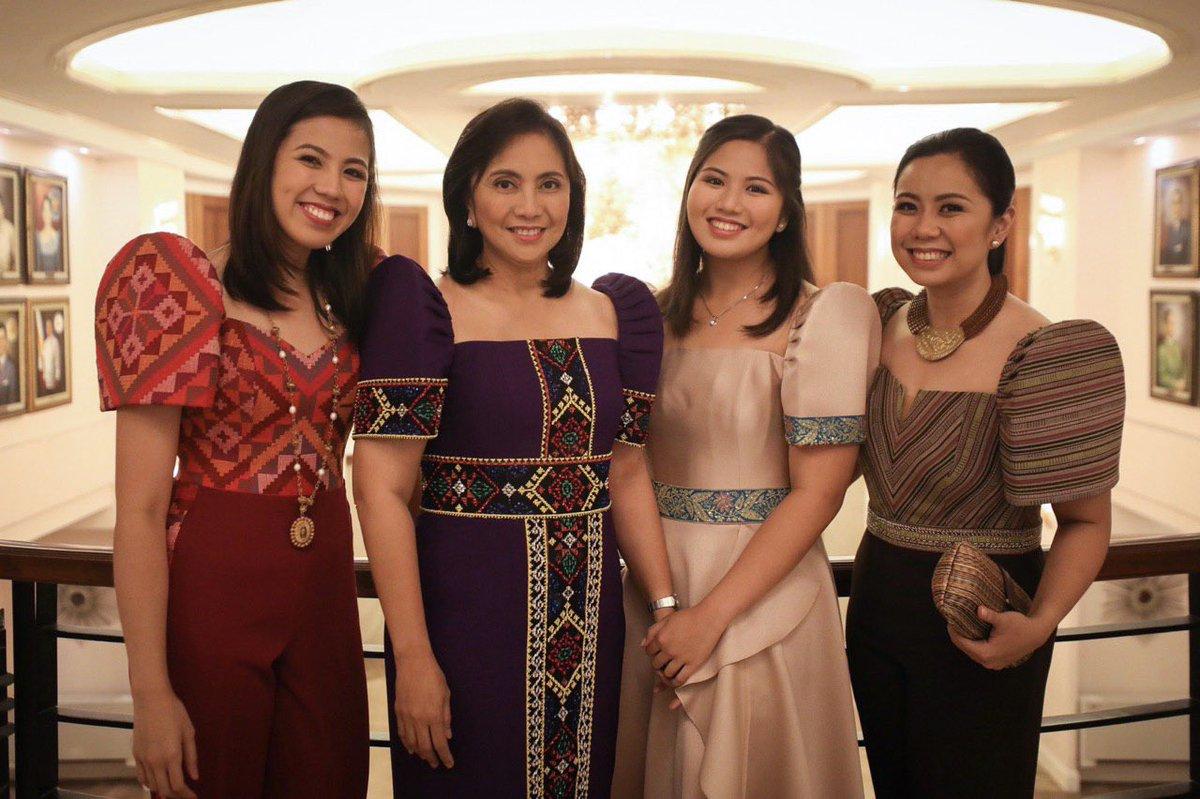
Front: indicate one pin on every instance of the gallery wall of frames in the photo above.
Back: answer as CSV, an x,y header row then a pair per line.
x,y
35,332
1175,313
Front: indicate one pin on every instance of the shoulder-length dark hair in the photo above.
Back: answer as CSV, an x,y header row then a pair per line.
x,y
986,160
482,140
256,269
788,248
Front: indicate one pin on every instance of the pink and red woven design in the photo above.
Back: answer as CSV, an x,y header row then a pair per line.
x,y
158,310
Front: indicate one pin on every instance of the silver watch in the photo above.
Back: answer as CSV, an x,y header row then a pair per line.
x,y
671,601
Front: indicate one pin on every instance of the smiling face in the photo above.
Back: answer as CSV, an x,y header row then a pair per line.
x,y
942,222
733,204
520,202
319,182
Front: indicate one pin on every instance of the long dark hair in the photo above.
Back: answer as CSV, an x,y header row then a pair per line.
x,y
788,248
482,140
986,160
256,269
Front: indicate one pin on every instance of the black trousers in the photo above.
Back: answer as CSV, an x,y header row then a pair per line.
x,y
937,725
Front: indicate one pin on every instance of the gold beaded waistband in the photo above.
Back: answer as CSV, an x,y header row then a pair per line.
x,y
939,539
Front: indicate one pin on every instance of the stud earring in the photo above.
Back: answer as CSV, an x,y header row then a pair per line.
x,y
779,228
995,243
329,247
470,221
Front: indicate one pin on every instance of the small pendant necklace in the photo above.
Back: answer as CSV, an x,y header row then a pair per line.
x,y
934,344
713,318
304,529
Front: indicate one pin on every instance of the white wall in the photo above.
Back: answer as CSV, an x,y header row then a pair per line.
x,y
60,459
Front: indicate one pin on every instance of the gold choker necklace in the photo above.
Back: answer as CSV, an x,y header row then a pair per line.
x,y
934,344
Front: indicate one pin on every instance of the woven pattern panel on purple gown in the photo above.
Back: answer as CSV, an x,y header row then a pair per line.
x,y
565,557
399,408
635,421
514,487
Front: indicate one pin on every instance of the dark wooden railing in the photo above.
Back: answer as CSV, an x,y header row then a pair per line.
x,y
36,571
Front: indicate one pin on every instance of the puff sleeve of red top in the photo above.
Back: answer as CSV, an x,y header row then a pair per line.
x,y
158,319
640,343
1062,408
406,354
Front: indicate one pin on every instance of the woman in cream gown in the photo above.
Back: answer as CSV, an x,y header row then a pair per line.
x,y
752,444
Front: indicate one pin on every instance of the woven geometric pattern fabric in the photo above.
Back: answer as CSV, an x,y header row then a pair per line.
x,y
408,408
568,404
976,461
514,487
158,312
635,421
824,430
718,506
246,440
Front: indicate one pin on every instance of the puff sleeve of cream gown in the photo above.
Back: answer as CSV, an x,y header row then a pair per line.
x,y
770,713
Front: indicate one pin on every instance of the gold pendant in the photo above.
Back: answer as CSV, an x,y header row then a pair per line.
x,y
303,532
933,345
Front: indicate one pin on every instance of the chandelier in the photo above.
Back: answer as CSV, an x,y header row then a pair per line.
x,y
676,126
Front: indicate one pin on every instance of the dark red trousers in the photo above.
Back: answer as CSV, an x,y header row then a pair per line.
x,y
264,648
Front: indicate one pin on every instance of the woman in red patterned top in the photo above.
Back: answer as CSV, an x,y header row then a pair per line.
x,y
235,580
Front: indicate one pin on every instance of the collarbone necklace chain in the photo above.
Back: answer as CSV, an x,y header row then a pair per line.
x,y
713,318
304,529
934,344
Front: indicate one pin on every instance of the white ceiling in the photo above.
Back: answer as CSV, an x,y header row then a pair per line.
x,y
1034,72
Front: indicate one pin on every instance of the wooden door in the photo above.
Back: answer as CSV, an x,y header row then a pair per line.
x,y
1016,250
837,241
207,220
404,230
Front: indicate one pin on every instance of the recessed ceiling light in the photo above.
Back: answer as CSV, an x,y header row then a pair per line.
x,y
610,83
397,149
860,135
904,87
84,151
1140,140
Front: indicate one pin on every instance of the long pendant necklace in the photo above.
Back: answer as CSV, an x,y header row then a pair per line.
x,y
934,344
304,529
713,318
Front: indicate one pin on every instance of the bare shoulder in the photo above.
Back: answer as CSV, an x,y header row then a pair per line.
x,y
596,304
1018,319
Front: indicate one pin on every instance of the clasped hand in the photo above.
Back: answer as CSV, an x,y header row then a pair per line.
x,y
1013,638
680,643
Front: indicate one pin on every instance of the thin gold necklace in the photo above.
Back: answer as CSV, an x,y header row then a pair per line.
x,y
713,318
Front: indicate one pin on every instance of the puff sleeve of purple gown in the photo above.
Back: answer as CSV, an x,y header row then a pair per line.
x,y
406,354
640,344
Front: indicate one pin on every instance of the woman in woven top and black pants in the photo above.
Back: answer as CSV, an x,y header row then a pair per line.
x,y
981,411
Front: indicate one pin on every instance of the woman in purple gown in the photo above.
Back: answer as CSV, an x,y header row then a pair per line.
x,y
521,399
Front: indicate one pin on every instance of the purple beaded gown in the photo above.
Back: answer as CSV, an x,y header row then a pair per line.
x,y
519,565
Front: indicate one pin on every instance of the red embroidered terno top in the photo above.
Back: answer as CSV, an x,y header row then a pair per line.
x,y
162,338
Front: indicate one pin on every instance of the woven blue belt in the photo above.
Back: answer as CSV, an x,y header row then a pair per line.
x,y
717,505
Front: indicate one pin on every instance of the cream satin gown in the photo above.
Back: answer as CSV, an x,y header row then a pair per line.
x,y
770,713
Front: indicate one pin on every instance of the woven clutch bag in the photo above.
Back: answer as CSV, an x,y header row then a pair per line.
x,y
966,578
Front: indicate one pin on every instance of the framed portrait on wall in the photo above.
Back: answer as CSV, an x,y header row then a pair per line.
x,y
49,352
46,251
12,224
1173,319
1177,220
13,380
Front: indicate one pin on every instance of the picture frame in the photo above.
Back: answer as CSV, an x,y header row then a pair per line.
x,y
12,224
1174,320
47,248
1177,220
14,380
49,352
